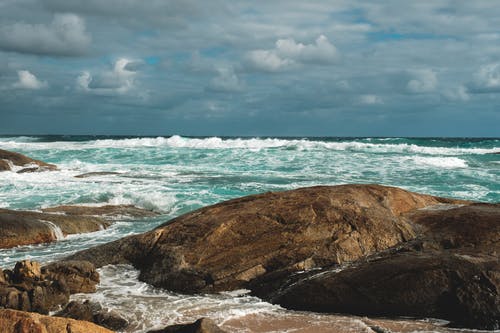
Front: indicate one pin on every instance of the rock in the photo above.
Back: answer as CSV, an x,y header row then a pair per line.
x,y
42,289
26,227
461,288
22,160
93,174
203,325
12,321
228,245
79,276
93,312
107,210
4,165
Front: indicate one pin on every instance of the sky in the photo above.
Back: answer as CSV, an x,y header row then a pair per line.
x,y
250,68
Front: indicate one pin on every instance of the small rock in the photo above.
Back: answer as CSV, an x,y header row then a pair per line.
x,y
202,325
27,270
80,276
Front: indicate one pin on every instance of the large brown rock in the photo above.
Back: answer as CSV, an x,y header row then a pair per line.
x,y
18,159
94,312
12,321
202,325
26,227
4,165
106,211
227,245
30,287
464,289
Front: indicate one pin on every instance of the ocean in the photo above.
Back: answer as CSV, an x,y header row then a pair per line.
x,y
174,175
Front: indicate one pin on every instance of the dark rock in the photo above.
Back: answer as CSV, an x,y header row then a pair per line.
x,y
22,160
26,227
107,210
227,245
31,288
4,165
12,321
93,312
203,325
110,319
79,276
93,174
461,288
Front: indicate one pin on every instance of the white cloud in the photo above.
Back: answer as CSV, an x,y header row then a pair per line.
x,y
459,93
487,78
424,81
119,80
27,80
226,81
370,99
64,36
288,52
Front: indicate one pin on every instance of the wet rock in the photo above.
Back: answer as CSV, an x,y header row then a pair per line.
x,y
461,288
94,174
12,321
23,161
228,245
104,211
79,276
93,312
203,325
26,227
30,287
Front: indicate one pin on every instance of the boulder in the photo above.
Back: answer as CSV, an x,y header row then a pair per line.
x,y
12,321
4,165
21,160
230,244
103,211
93,312
27,227
464,289
203,325
30,287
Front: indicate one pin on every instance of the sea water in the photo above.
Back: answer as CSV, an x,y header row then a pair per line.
x,y
174,175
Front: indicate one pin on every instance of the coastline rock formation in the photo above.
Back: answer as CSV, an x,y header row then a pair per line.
x,y
29,165
202,325
30,287
27,227
265,242
94,313
12,321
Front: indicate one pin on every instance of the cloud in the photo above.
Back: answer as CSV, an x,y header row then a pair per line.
x,y
370,99
64,36
288,52
424,81
486,79
459,93
119,80
226,81
27,80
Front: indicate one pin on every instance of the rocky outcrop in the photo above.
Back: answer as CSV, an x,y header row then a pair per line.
x,y
356,243
203,325
26,227
105,211
94,312
30,287
17,159
12,321
226,245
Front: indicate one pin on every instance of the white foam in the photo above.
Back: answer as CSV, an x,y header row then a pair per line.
x,y
440,162
56,231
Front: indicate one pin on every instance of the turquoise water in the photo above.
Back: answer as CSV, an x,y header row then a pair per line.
x,y
174,175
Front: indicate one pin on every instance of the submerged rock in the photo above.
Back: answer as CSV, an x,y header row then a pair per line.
x,y
26,227
12,321
17,159
100,173
106,211
203,325
30,287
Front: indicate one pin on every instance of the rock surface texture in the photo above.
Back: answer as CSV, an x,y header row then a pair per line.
x,y
12,321
30,287
94,313
8,158
203,325
346,233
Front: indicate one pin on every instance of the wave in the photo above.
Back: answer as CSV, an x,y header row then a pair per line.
x,y
440,162
254,144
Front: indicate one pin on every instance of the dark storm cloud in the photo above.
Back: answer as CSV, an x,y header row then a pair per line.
x,y
238,67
